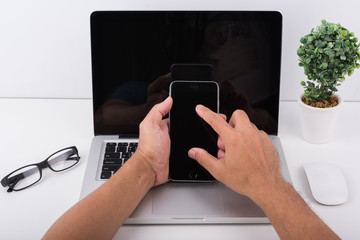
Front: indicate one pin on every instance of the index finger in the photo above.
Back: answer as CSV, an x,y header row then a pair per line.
x,y
214,120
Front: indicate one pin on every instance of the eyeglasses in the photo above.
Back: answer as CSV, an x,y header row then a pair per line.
x,y
27,176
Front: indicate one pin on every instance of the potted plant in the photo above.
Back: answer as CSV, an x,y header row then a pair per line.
x,y
327,54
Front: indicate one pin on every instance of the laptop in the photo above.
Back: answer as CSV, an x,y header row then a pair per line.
x,y
132,52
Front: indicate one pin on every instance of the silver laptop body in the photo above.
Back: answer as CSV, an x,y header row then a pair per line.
x,y
244,48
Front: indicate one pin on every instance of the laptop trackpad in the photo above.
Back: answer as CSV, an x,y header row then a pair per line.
x,y
188,199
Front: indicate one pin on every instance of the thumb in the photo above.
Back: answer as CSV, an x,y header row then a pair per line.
x,y
206,160
160,110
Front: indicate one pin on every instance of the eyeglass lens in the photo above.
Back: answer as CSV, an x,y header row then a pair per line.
x,y
63,160
24,177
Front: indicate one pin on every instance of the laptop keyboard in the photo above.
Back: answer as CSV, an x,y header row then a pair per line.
x,y
116,154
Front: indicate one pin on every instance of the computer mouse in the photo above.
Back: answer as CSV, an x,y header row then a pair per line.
x,y
327,183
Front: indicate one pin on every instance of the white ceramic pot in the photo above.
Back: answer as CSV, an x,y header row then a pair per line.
x,y
318,124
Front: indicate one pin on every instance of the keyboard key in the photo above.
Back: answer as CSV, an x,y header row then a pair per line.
x,y
132,149
123,144
105,175
110,149
126,155
111,167
122,149
111,144
112,161
112,155
134,144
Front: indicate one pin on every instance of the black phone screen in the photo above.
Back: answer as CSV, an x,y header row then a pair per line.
x,y
188,130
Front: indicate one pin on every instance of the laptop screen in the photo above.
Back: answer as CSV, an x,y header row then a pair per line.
x,y
133,51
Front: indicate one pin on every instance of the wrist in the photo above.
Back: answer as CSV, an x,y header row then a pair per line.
x,y
144,169
272,194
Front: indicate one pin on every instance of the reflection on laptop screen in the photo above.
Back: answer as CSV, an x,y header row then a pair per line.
x,y
132,52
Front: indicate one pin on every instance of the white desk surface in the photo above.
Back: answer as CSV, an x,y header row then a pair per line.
x,y
32,129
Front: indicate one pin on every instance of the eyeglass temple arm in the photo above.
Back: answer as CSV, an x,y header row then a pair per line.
x,y
11,182
4,182
65,156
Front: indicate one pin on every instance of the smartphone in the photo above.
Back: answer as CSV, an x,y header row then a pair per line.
x,y
188,130
191,72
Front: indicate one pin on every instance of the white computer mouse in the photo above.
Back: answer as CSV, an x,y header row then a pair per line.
x,y
327,183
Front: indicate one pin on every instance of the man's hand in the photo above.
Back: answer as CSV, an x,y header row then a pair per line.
x,y
154,141
247,160
248,163
100,214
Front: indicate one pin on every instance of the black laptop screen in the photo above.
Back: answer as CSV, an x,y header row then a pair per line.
x,y
132,52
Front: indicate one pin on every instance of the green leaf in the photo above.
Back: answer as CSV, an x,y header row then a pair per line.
x,y
300,51
337,47
310,39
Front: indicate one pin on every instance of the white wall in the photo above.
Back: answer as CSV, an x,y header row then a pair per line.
x,y
45,44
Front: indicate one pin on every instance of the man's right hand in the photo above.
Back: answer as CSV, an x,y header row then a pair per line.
x,y
247,159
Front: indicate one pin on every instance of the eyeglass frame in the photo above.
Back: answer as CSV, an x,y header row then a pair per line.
x,y
40,165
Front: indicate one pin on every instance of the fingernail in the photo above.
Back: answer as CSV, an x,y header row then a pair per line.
x,y
199,106
192,154
167,99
